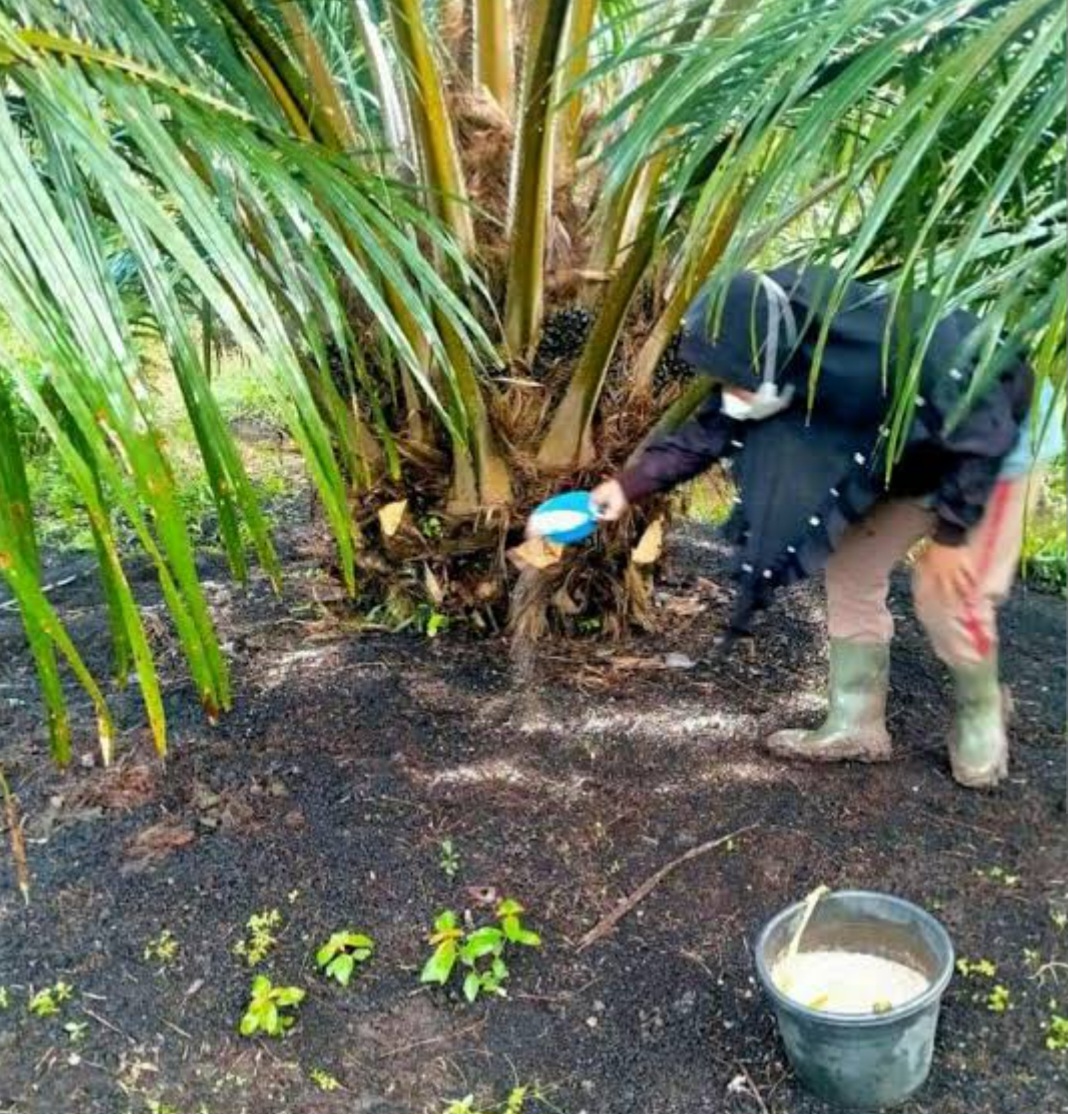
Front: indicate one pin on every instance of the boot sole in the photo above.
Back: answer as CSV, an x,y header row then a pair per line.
x,y
793,748
985,779
989,780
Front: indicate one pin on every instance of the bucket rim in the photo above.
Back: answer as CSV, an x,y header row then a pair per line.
x,y
921,1002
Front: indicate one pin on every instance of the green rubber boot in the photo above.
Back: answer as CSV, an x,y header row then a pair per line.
x,y
855,727
979,744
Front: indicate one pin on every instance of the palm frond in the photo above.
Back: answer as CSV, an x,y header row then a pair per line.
x,y
939,109
531,185
111,153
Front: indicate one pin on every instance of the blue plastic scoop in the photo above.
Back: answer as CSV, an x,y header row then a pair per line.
x,y
565,519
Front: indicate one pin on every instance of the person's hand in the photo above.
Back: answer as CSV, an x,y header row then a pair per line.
x,y
608,500
948,571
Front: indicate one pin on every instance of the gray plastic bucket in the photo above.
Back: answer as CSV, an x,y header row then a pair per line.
x,y
867,1061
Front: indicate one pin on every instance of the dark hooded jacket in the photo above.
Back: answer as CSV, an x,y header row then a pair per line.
x,y
806,474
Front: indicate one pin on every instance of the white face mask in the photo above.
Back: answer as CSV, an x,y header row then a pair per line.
x,y
766,402
768,399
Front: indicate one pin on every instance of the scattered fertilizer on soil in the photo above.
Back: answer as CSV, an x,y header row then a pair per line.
x,y
847,982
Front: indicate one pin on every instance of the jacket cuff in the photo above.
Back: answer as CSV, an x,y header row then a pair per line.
x,y
636,484
949,533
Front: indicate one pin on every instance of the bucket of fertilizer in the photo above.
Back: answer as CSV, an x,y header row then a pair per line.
x,y
856,989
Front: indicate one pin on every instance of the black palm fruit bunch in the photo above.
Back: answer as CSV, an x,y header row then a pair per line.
x,y
672,368
563,335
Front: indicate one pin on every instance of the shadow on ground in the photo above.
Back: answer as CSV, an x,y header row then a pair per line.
x,y
346,762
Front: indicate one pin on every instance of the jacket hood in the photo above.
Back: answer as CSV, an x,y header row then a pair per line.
x,y
768,327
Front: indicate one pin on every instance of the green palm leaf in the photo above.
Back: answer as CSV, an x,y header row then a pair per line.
x,y
174,156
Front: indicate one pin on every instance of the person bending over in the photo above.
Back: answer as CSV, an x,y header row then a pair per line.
x,y
813,493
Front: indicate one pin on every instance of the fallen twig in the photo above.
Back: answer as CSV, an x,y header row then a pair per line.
x,y
607,923
181,1032
10,605
743,1085
1050,968
49,1055
939,818
430,1040
693,957
107,1024
14,834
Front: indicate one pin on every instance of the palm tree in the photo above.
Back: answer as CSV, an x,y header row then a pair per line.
x,y
379,201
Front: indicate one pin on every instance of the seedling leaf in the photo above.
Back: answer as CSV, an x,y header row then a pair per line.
x,y
289,995
439,966
472,986
341,969
445,923
483,941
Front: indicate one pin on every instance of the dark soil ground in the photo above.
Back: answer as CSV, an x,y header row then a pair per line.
x,y
347,760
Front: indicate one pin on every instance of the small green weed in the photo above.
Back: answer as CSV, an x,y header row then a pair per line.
x,y
47,1002
323,1080
76,1031
5,998
158,1106
998,874
1057,1033
268,1008
515,1103
261,936
479,952
1059,918
446,938
163,949
430,621
339,957
430,527
1044,559
449,859
971,968
999,999
509,913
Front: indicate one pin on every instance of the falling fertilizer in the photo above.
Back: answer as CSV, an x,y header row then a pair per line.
x,y
564,519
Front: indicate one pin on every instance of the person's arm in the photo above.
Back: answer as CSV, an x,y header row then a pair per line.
x,y
672,458
978,444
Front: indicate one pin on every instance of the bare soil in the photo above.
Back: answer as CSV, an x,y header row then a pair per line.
x,y
326,793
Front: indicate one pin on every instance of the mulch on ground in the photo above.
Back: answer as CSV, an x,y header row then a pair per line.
x,y
347,760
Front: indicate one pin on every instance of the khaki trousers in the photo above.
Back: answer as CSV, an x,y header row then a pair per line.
x,y
858,575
